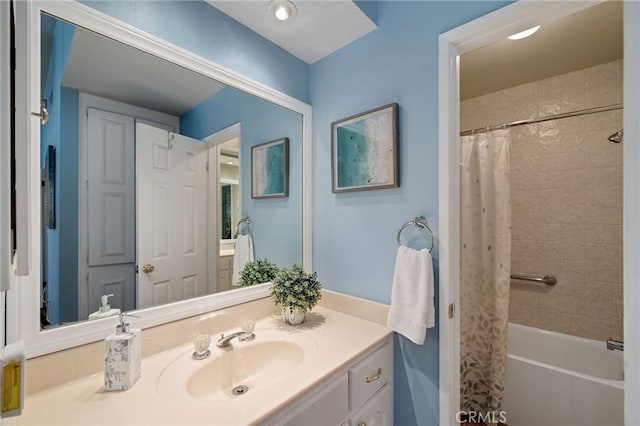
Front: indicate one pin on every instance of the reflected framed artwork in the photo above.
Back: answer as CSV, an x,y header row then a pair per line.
x,y
364,150
49,188
270,169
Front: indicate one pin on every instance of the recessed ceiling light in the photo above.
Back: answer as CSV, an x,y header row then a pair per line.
x,y
282,9
524,34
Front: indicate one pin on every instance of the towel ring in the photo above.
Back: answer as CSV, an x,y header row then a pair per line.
x,y
418,222
246,221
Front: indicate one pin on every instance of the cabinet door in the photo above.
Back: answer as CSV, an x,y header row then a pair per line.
x,y
378,411
225,265
329,409
224,280
326,405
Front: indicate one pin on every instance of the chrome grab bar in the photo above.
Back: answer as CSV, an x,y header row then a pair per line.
x,y
547,279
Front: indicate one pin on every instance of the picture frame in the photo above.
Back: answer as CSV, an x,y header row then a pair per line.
x,y
49,188
270,169
364,151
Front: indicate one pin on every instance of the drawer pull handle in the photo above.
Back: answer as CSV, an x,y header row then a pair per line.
x,y
362,424
374,377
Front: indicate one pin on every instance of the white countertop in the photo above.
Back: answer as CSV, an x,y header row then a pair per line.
x,y
339,339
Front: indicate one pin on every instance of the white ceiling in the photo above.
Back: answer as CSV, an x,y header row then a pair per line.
x,y
582,40
318,28
104,67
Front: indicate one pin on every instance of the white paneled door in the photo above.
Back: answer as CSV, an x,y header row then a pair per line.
x,y
171,216
111,208
111,180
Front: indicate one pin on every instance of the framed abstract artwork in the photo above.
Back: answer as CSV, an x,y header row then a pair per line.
x,y
270,169
364,150
49,188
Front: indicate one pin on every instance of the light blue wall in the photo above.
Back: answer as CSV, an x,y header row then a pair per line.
x,y
68,197
202,29
50,135
354,234
276,223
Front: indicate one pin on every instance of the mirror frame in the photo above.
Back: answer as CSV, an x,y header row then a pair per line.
x,y
23,318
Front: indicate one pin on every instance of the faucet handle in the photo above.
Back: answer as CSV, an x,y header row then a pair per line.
x,y
201,347
247,328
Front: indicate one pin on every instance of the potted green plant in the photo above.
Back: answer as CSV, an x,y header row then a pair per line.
x,y
257,272
297,292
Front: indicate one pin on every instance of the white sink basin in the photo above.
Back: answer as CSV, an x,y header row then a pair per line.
x,y
271,359
254,366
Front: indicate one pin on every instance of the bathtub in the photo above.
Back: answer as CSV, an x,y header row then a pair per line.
x,y
561,380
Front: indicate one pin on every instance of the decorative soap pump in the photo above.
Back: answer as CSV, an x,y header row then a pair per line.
x,y
105,309
122,356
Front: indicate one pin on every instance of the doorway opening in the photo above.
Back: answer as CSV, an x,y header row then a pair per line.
x,y
468,38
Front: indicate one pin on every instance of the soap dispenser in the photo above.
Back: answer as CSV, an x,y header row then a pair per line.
x,y
122,356
105,309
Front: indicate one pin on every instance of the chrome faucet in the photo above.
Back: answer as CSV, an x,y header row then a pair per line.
x,y
615,345
224,341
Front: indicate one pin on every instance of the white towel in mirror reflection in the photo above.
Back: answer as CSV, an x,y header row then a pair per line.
x,y
243,254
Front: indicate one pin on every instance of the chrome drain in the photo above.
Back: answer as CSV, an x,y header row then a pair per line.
x,y
240,390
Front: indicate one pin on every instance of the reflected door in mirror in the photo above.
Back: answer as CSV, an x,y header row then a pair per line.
x,y
172,215
111,207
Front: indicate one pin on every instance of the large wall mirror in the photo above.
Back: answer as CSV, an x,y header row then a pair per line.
x,y
146,181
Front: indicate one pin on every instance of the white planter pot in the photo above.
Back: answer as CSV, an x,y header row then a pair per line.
x,y
293,316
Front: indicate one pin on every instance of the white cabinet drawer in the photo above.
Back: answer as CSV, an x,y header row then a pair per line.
x,y
378,411
369,375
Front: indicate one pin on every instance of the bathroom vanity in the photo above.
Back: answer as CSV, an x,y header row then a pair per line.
x,y
333,369
359,394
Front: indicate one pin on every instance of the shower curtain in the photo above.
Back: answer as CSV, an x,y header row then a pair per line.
x,y
485,268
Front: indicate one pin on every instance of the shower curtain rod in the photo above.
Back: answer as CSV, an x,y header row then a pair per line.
x,y
542,119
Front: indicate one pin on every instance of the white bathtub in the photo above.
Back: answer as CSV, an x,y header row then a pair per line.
x,y
561,380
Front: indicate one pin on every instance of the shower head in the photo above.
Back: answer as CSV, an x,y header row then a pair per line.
x,y
617,136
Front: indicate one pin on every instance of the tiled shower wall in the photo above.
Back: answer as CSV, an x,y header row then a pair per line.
x,y
566,193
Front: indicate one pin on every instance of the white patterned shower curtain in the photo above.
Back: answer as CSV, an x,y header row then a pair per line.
x,y
485,268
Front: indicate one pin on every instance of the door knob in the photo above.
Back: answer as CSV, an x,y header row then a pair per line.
x,y
147,269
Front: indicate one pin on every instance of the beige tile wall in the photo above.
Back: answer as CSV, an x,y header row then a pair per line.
x,y
566,199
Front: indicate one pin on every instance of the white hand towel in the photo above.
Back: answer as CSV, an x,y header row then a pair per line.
x,y
243,254
412,308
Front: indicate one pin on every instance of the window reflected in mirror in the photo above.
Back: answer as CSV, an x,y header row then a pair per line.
x,y
228,159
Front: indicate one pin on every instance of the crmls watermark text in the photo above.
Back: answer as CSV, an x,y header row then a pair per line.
x,y
490,417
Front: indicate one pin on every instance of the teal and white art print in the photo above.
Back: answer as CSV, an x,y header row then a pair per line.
x,y
270,169
363,150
